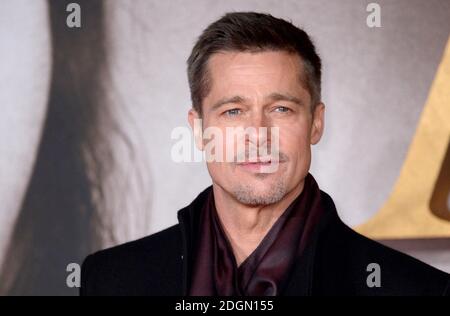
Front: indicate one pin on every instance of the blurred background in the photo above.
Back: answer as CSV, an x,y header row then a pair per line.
x,y
87,115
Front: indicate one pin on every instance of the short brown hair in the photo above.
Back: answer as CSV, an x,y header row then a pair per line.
x,y
254,32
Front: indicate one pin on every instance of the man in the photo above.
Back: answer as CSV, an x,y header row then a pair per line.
x,y
258,230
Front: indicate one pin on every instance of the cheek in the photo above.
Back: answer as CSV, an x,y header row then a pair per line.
x,y
221,173
295,139
295,143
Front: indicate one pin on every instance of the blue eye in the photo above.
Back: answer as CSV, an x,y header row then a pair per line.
x,y
233,112
282,109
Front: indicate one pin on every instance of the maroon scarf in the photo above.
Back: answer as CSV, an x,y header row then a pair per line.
x,y
266,270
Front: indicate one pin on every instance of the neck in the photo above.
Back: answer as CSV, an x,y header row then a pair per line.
x,y
246,225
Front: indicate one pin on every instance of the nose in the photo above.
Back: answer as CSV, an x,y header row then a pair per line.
x,y
258,127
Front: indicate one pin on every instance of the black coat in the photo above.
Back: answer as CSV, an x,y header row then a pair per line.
x,y
334,263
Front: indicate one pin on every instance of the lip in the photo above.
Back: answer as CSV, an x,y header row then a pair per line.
x,y
256,166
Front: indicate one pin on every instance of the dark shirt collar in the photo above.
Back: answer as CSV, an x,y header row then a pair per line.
x,y
300,221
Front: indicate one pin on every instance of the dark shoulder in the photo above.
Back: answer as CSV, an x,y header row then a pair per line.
x,y
357,257
147,247
145,266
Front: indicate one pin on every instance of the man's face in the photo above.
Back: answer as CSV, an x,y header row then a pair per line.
x,y
256,90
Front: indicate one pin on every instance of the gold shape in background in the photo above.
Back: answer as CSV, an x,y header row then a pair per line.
x,y
418,205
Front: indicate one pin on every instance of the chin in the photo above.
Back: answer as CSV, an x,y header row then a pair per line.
x,y
257,193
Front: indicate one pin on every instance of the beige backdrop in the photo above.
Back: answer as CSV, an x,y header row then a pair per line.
x,y
375,85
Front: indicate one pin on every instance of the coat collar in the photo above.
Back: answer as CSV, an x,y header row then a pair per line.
x,y
302,276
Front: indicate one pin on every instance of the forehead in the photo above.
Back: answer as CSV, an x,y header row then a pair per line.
x,y
252,72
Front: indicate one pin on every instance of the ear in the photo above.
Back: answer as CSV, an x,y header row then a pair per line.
x,y
197,127
318,123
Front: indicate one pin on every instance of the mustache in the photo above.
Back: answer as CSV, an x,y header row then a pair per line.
x,y
253,155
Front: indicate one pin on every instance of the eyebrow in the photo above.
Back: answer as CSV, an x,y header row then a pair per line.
x,y
227,100
276,96
285,97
